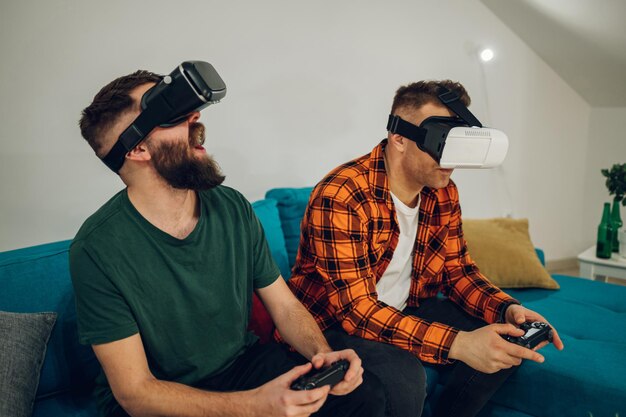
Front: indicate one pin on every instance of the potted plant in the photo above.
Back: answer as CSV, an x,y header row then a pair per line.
x,y
616,184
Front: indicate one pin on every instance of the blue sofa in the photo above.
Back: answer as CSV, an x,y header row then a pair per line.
x,y
587,379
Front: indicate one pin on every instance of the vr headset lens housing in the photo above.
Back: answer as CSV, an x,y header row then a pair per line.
x,y
472,147
192,86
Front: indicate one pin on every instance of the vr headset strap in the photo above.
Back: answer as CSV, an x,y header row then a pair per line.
x,y
134,134
130,138
115,158
397,125
452,101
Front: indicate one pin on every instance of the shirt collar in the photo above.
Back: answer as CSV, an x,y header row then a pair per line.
x,y
378,181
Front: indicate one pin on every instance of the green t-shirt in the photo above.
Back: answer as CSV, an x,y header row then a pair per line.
x,y
189,299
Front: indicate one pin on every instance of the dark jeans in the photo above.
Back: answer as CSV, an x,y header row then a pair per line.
x,y
262,363
401,373
466,390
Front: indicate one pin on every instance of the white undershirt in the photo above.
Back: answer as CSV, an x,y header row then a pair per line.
x,y
393,287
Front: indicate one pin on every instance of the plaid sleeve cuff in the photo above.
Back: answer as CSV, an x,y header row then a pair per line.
x,y
495,306
436,344
502,309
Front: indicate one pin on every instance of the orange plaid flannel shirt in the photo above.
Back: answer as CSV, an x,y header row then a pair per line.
x,y
349,234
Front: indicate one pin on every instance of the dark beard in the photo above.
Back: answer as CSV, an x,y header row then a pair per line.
x,y
181,170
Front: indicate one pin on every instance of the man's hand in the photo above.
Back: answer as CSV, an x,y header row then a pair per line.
x,y
485,350
353,377
276,398
517,314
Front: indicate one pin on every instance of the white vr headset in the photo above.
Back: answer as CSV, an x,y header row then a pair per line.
x,y
454,142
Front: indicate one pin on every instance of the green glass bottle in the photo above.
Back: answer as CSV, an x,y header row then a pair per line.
x,y
605,234
616,222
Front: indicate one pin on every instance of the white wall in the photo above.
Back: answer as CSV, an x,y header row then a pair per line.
x,y
309,87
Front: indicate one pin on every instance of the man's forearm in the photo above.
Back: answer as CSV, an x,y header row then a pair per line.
x,y
491,298
300,330
164,398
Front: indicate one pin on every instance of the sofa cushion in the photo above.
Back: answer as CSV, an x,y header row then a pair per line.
x,y
292,203
22,350
504,253
587,377
37,279
268,215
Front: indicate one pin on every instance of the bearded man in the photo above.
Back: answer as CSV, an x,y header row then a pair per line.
x,y
164,274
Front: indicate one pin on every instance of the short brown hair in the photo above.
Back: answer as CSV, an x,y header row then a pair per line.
x,y
417,94
108,105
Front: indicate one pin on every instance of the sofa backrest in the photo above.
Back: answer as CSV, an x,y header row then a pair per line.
x,y
267,213
37,279
291,203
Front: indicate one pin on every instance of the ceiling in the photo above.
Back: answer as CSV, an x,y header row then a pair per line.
x,y
584,41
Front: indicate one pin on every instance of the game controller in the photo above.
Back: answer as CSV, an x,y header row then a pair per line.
x,y
535,333
320,377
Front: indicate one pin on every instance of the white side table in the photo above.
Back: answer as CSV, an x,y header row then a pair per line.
x,y
592,267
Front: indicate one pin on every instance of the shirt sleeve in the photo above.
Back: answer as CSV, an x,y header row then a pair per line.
x,y
102,313
339,239
464,283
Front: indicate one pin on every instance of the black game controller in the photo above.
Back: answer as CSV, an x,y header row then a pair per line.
x,y
320,377
535,333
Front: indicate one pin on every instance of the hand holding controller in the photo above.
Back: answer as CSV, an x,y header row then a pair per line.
x,y
320,377
535,333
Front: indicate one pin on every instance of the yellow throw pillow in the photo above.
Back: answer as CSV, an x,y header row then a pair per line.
x,y
504,253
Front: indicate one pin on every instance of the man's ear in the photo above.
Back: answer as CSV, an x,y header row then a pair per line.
x,y
398,142
139,153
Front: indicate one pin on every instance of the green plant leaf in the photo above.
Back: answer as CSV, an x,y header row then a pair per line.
x,y
616,181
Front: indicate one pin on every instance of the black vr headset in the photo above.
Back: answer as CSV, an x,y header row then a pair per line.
x,y
191,87
454,142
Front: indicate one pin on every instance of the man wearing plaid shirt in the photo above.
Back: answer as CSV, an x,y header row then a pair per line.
x,y
381,237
